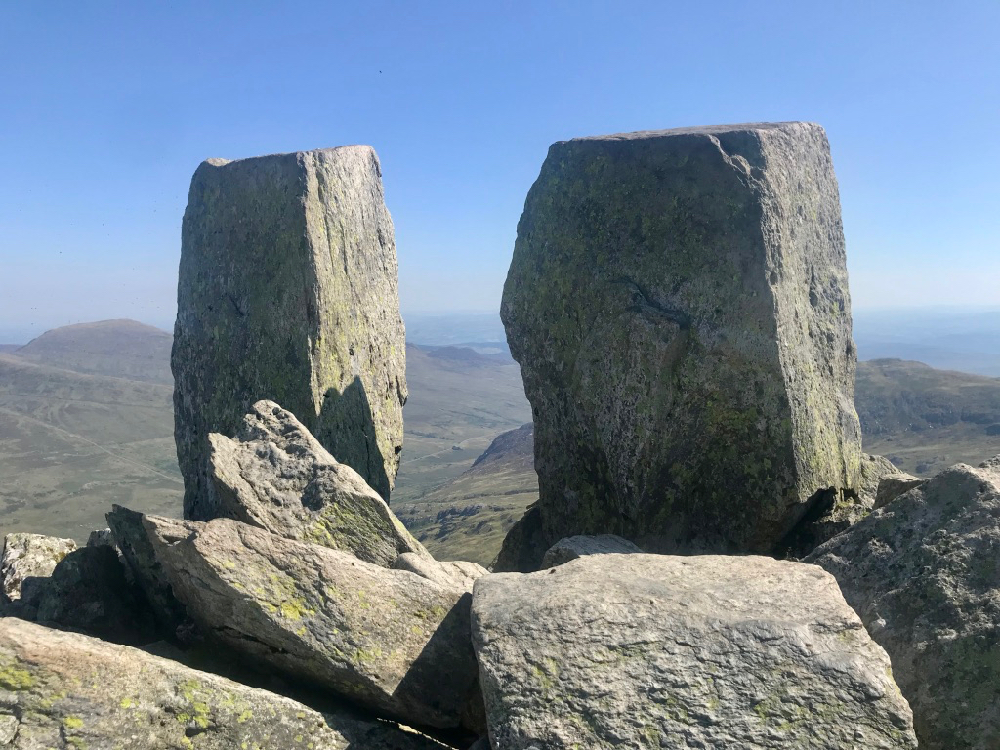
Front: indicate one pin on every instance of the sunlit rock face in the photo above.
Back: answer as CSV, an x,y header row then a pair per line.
x,y
678,302
288,292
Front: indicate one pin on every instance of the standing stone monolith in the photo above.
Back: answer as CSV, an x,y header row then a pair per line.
x,y
288,292
678,302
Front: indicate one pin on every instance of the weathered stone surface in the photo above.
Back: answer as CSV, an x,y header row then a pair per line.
x,y
88,591
30,556
455,574
67,690
653,651
389,640
287,291
678,302
575,547
525,544
276,475
923,574
892,486
101,538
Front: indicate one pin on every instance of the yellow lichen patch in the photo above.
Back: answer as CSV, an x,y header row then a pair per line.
x,y
72,722
14,678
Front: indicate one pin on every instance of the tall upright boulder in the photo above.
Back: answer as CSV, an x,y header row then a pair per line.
x,y
288,291
678,302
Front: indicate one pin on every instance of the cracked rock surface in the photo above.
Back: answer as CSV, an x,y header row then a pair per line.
x,y
71,691
923,573
678,303
681,652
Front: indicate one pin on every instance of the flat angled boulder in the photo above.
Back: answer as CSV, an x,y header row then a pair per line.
x,y
656,651
389,640
922,572
287,290
66,690
678,303
276,475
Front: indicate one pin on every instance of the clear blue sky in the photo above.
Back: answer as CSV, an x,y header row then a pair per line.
x,y
107,108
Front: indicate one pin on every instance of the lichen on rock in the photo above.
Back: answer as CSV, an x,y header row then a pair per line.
x,y
288,291
678,302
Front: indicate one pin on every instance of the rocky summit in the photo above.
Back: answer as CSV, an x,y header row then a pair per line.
x,y
288,291
678,302
923,572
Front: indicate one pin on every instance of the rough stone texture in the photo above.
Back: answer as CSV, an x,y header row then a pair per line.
x,y
30,556
64,690
892,486
389,640
924,575
833,512
525,545
456,574
101,538
88,591
276,475
287,291
575,547
653,651
678,302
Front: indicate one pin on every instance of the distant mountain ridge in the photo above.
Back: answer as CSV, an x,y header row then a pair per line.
x,y
120,348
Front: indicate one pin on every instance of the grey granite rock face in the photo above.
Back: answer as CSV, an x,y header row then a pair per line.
x,y
276,475
29,556
575,547
655,651
388,640
452,574
923,574
70,691
288,291
678,302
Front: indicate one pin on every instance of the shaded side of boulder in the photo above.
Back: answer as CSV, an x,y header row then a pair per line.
x,y
276,475
923,573
525,544
389,640
88,591
708,651
129,531
892,486
575,547
287,290
29,556
678,303
66,690
832,512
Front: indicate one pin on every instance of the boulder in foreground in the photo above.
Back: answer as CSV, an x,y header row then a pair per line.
x,y
923,573
678,303
651,651
276,475
389,640
287,290
67,690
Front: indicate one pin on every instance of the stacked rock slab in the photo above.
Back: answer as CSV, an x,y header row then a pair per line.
x,y
392,641
288,291
67,690
678,302
659,651
276,475
923,574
